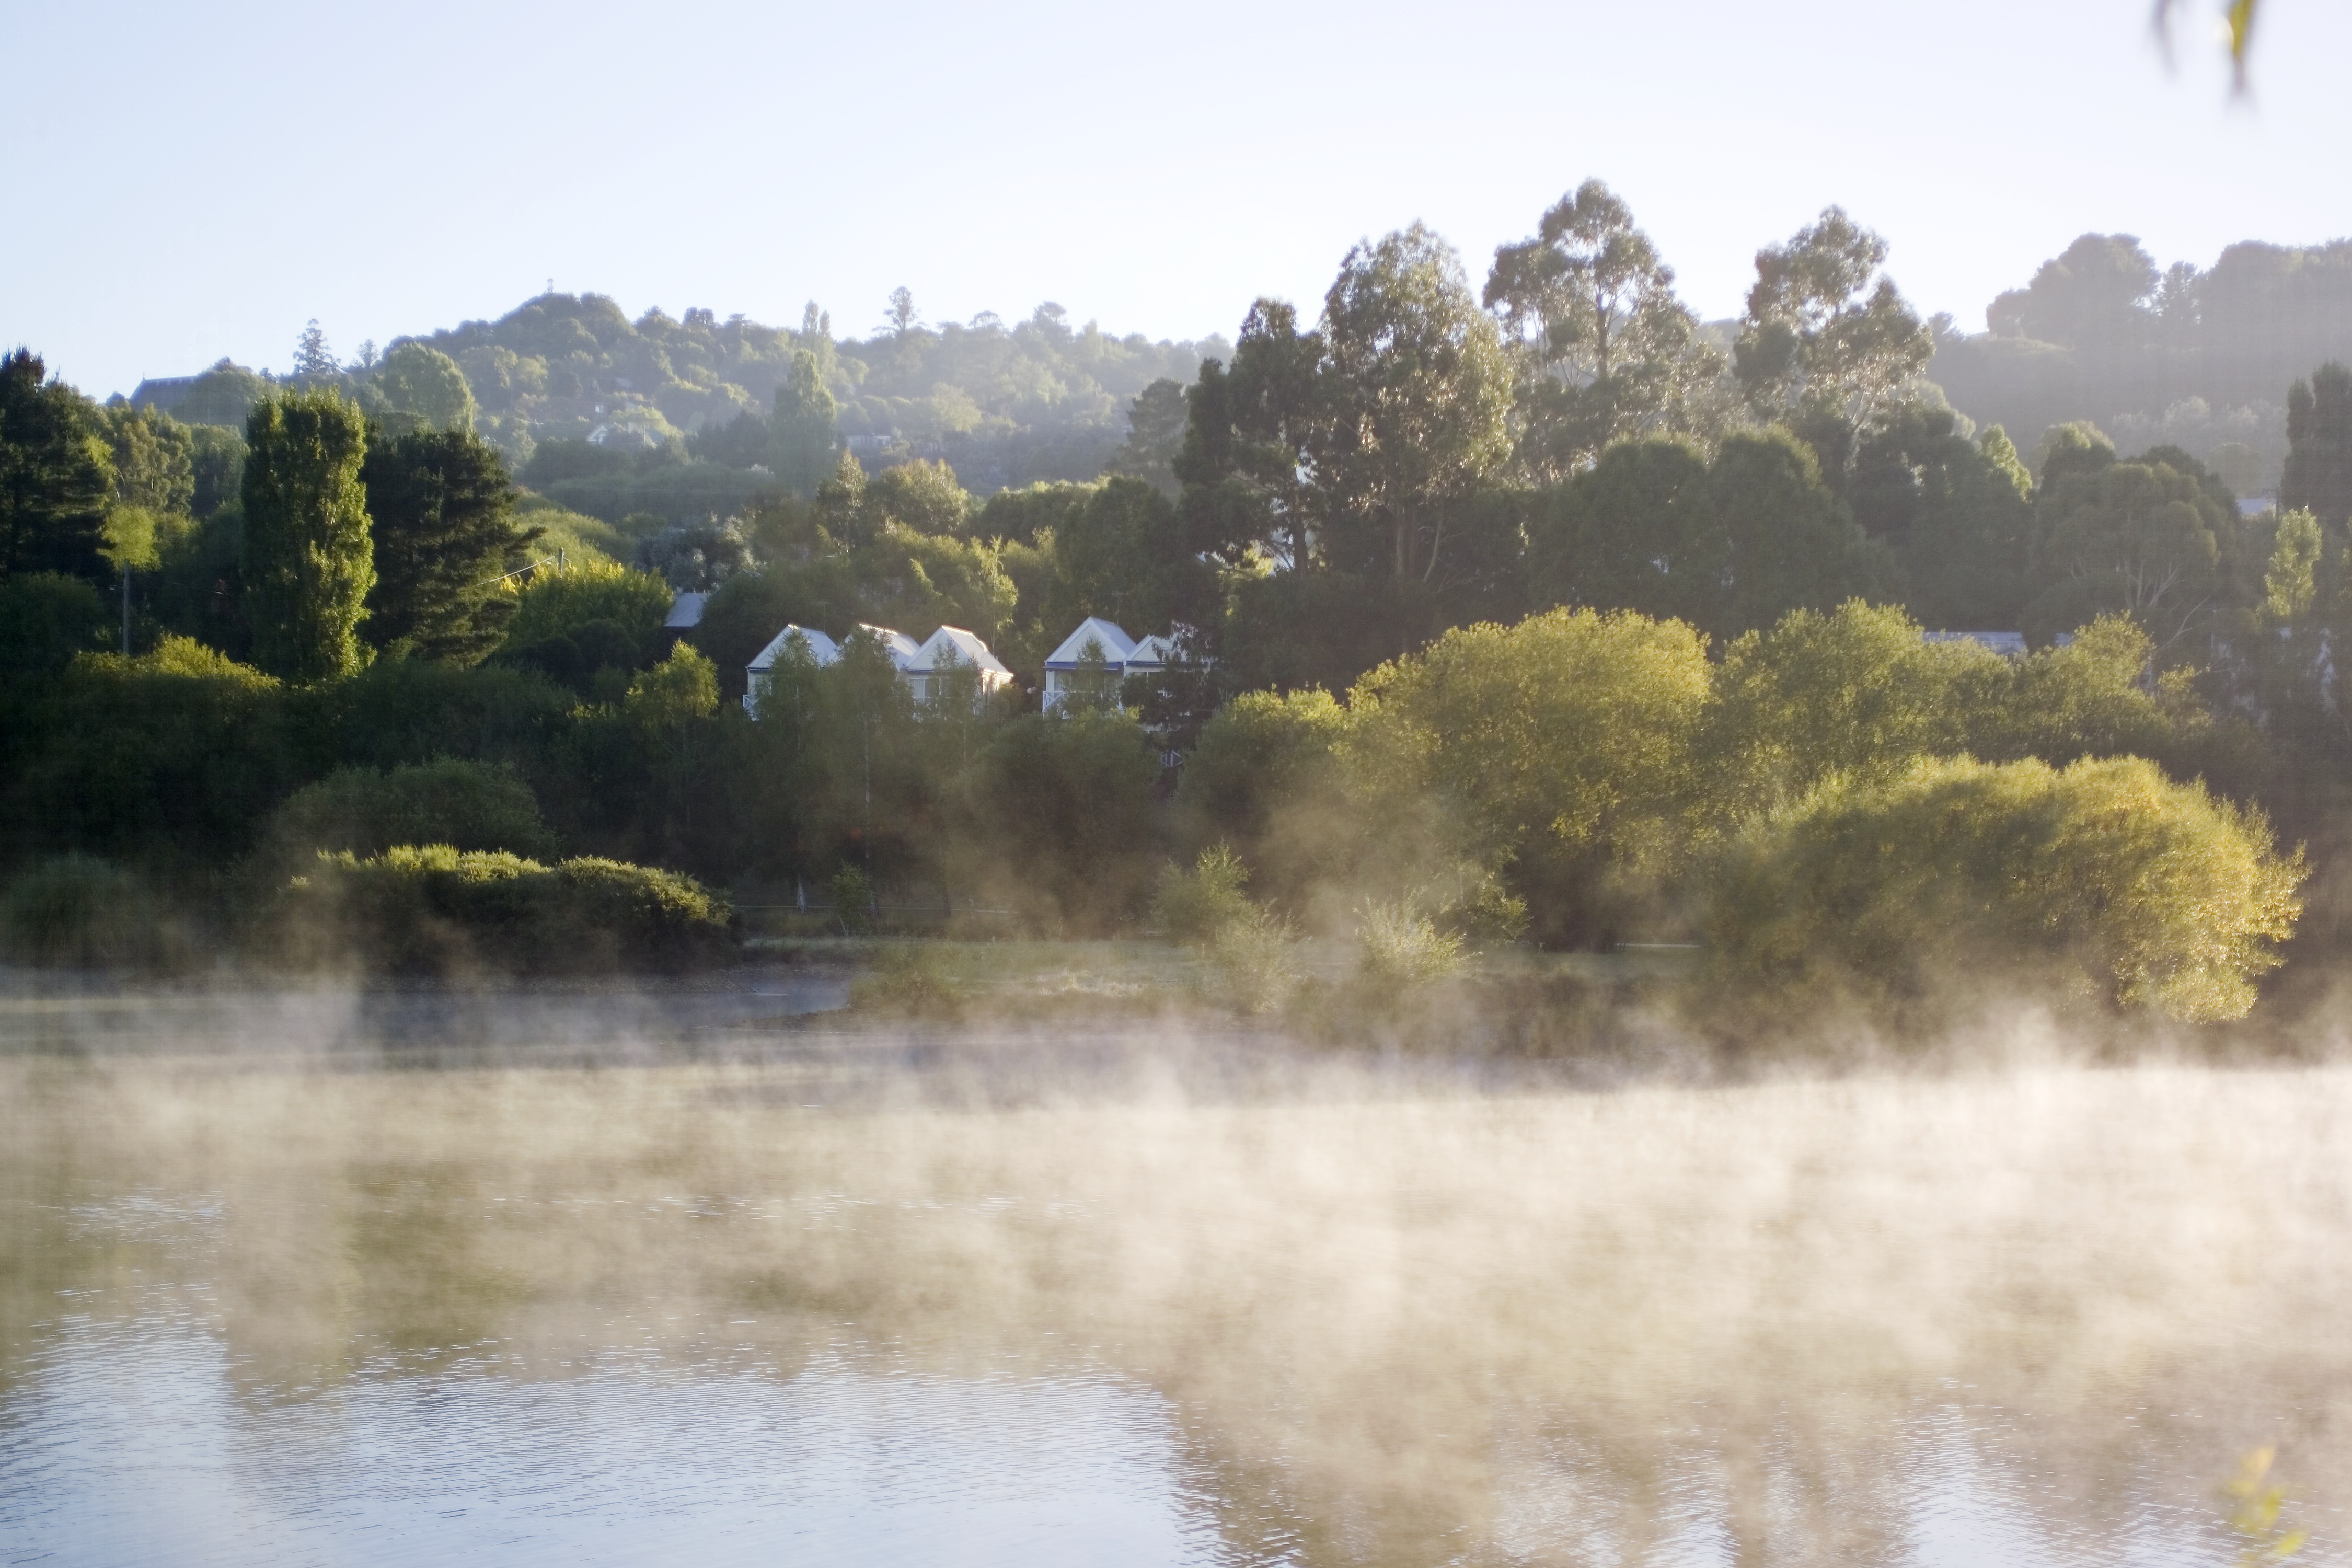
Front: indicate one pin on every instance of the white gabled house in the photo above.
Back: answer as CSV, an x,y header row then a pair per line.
x,y
920,665
1122,656
949,649
901,647
761,671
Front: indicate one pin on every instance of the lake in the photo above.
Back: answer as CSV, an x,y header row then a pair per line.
x,y
636,1276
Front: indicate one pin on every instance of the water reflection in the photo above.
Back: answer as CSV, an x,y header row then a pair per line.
x,y
266,1314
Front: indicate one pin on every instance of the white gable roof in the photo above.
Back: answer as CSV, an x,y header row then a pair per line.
x,y
902,648
1117,646
824,648
968,651
686,610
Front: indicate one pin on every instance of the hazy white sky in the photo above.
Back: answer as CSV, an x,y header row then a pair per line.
x,y
187,181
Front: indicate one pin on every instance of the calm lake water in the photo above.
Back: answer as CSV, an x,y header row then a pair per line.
x,y
664,1278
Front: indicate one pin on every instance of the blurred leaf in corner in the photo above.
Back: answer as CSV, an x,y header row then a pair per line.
x,y
2237,20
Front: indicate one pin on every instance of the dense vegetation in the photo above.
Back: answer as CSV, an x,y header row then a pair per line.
x,y
1541,610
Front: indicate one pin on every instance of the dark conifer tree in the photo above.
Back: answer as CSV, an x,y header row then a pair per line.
x,y
444,530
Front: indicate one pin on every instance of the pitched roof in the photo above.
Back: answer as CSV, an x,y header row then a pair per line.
x,y
686,610
821,647
969,650
1117,646
902,648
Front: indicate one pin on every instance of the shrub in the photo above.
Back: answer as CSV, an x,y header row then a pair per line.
x,y
45,619
1193,906
853,900
77,912
467,805
177,753
1398,950
439,909
2103,877
557,604
1256,958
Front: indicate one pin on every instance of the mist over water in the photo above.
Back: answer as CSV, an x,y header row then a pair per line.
x,y
810,1295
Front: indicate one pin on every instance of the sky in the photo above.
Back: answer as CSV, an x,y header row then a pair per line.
x,y
187,182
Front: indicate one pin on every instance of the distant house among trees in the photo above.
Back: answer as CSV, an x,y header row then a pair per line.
x,y
1100,651
761,670
926,667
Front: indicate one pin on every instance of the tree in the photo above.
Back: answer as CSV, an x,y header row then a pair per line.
x,y
2096,295
308,559
2103,877
1556,749
1156,423
313,360
2150,538
1789,543
1637,531
2318,474
55,475
923,495
1956,514
1605,349
1246,439
223,395
902,317
802,435
1123,556
1828,341
155,460
444,532
426,384
1415,407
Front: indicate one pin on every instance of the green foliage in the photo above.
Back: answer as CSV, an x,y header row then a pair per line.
x,y
56,473
217,466
1256,960
852,893
802,436
308,559
2318,473
1572,729
469,805
154,460
1069,827
403,711
1414,403
2291,582
1955,514
1606,351
426,384
1124,555
923,496
2153,539
1264,778
1156,422
177,753
1827,340
223,395
444,535
555,603
2102,878
1193,906
1853,689
77,913
1398,950
45,619
1728,546
435,909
